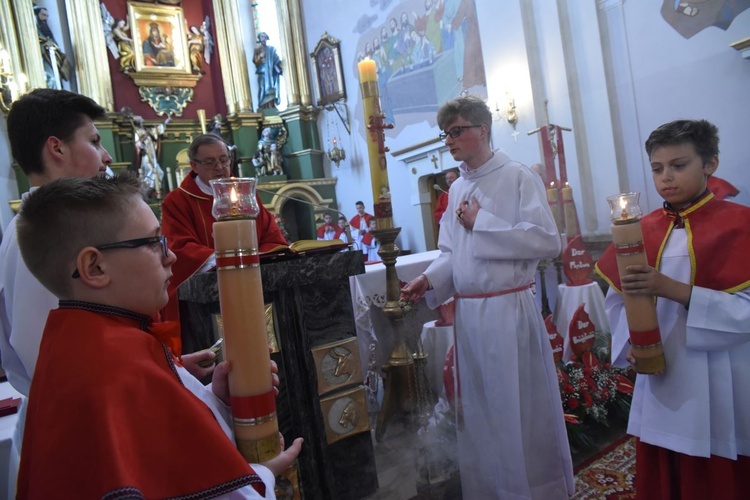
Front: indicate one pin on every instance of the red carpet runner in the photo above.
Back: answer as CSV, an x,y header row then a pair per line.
x,y
608,474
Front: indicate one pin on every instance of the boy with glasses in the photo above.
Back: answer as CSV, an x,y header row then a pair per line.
x,y
498,225
52,135
187,220
112,412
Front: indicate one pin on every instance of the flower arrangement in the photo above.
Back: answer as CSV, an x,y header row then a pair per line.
x,y
593,394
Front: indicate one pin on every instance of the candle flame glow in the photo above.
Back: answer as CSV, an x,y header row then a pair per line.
x,y
233,195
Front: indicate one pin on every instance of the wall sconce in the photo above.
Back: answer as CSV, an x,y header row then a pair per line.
x,y
11,87
510,113
336,154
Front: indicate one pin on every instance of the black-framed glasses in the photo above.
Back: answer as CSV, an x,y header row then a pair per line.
x,y
138,242
455,132
212,162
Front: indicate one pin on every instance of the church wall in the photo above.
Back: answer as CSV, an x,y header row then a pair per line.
x,y
611,70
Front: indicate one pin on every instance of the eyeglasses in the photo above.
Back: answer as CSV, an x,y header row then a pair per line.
x,y
212,162
455,132
139,242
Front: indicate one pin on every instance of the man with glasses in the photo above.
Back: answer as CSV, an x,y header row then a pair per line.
x,y
187,220
498,225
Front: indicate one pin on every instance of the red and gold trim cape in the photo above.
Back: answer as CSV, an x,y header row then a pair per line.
x,y
718,235
109,416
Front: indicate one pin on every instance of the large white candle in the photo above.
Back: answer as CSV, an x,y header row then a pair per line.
x,y
253,401
640,310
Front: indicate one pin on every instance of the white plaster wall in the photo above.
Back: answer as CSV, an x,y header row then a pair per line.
x,y
655,76
700,77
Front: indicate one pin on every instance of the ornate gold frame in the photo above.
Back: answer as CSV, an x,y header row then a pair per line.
x,y
327,73
171,22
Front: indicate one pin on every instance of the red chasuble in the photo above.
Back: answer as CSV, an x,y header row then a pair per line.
x,y
718,240
440,207
109,416
187,223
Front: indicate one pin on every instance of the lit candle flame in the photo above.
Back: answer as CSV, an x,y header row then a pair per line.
x,y
234,199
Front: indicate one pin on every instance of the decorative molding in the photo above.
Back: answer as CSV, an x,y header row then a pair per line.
x,y
605,5
90,50
420,146
234,72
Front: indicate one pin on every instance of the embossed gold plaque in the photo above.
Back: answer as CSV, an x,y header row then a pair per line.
x,y
273,341
345,414
337,364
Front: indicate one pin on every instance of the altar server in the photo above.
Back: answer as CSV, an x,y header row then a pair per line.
x,y
112,412
693,420
512,440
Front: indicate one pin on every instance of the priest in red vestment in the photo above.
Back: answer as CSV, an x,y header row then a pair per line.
x,y
442,201
188,223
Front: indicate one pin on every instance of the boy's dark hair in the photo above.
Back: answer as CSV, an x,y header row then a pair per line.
x,y
45,113
359,203
64,216
470,108
202,140
702,134
341,217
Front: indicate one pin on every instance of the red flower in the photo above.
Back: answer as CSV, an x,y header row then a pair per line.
x,y
588,401
572,403
569,389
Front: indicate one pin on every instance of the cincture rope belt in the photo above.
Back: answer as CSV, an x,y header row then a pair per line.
x,y
491,294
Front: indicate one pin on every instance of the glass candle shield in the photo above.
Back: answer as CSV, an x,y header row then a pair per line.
x,y
624,208
234,197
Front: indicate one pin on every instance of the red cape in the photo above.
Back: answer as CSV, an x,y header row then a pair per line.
x,y
440,207
354,223
336,231
109,416
187,223
721,188
718,238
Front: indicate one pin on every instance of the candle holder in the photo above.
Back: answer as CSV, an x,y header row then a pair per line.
x,y
253,402
640,310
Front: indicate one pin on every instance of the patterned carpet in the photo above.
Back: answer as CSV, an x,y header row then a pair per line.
x,y
609,474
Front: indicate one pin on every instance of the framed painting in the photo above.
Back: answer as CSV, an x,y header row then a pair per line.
x,y
159,39
327,73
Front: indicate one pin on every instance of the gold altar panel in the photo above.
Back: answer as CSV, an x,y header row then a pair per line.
x,y
337,364
345,414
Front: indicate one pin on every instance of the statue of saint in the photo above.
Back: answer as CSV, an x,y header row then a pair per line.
x,y
268,68
56,64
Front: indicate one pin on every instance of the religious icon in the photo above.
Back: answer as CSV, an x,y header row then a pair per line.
x,y
160,40
328,77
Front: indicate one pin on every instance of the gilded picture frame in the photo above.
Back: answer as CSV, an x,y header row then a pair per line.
x,y
159,41
327,71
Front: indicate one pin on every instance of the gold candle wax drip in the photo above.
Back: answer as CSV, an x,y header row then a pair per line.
x,y
253,402
640,310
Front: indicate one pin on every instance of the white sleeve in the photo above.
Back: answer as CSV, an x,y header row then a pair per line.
x,y
718,320
614,308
